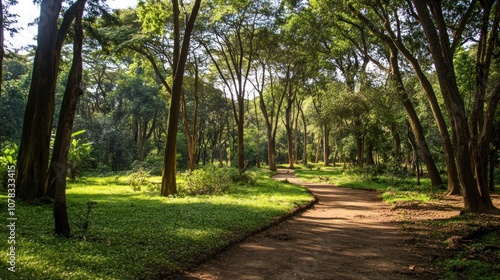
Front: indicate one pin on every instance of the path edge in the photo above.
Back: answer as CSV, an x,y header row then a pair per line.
x,y
273,222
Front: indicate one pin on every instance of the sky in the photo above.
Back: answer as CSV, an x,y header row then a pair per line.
x,y
28,12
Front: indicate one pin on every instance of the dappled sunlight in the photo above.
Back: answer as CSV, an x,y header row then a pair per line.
x,y
115,228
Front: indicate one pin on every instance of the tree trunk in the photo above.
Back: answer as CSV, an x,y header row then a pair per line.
x,y
442,56
59,162
241,130
305,135
288,125
414,153
369,154
359,144
289,137
326,146
396,140
33,157
169,184
391,39
318,146
416,126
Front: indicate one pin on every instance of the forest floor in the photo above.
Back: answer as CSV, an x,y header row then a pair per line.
x,y
350,234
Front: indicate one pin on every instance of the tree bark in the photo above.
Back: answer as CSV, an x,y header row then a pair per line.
x,y
59,162
396,140
416,126
304,135
33,157
290,100
326,146
169,183
470,165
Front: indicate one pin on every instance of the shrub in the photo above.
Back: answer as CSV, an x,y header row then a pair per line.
x,y
242,178
140,179
8,157
208,180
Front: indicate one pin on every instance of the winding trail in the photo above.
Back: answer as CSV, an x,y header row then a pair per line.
x,y
347,234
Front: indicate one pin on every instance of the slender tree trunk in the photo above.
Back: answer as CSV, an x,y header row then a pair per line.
x,y
326,146
169,184
241,130
369,154
416,126
318,146
359,143
392,40
414,156
191,134
396,140
289,137
271,151
288,125
304,135
59,162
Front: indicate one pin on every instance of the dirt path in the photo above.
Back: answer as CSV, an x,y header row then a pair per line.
x,y
348,234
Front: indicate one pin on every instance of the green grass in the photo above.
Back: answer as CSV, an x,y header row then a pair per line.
x,y
139,235
392,188
479,259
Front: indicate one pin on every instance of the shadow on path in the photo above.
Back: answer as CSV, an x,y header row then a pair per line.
x,y
347,234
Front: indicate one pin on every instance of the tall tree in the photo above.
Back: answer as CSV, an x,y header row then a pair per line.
x,y
59,162
471,139
395,37
163,43
33,157
271,95
230,42
181,51
192,130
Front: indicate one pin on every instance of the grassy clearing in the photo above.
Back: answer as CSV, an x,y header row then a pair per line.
x,y
392,188
134,235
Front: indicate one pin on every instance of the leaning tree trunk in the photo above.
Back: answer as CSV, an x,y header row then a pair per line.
x,y
416,126
33,157
442,55
59,162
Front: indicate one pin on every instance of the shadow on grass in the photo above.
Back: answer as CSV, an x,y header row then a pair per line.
x,y
137,236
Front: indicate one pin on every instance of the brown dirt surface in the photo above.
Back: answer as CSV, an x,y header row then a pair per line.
x,y
347,234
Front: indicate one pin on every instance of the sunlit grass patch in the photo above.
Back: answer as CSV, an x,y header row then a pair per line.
x,y
392,188
130,235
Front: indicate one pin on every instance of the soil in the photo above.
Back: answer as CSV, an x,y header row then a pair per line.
x,y
346,234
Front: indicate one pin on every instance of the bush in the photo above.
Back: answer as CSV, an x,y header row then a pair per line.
x,y
242,178
214,180
8,157
208,180
139,181
153,164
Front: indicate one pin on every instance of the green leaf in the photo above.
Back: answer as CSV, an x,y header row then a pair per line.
x,y
78,133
